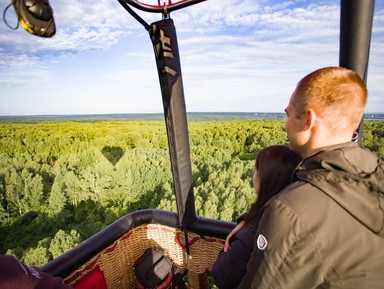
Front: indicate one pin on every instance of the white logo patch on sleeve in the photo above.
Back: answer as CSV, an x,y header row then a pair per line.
x,y
262,242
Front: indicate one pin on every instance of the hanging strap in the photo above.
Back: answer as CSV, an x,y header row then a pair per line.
x,y
164,40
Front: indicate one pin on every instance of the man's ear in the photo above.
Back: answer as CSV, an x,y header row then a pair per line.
x,y
310,119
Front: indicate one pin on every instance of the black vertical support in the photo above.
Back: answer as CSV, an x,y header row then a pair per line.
x,y
356,19
164,40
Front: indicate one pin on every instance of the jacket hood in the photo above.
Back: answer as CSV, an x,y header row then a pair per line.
x,y
353,177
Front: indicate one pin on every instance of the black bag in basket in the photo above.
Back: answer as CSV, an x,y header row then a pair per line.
x,y
152,268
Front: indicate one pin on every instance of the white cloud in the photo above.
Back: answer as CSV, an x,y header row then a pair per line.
x,y
235,55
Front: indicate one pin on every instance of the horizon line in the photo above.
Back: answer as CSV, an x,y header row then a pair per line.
x,y
151,113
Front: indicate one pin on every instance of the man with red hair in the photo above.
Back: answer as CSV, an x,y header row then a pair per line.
x,y
326,230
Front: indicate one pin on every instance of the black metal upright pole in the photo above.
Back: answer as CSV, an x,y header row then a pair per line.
x,y
164,40
356,19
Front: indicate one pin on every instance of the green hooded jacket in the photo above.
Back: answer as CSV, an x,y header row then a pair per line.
x,y
327,229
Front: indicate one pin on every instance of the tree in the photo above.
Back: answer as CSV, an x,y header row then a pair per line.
x,y
63,242
13,192
57,198
36,257
33,193
4,216
73,189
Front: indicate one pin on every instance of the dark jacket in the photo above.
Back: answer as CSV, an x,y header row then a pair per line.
x,y
15,275
325,230
230,266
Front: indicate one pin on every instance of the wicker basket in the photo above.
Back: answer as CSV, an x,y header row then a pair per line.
x,y
116,261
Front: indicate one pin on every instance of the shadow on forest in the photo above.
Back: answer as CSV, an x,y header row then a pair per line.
x,y
112,153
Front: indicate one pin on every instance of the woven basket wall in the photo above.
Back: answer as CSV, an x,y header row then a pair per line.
x,y
116,261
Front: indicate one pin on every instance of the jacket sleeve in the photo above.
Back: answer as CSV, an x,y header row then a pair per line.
x,y
230,266
242,217
14,274
285,254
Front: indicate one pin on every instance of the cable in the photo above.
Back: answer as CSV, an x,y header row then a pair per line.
x,y
5,20
133,13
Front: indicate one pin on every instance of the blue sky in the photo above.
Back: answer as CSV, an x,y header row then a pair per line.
x,y
243,56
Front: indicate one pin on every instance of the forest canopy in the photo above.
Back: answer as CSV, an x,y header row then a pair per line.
x,y
62,181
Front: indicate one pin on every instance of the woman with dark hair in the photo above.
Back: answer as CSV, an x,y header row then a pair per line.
x,y
274,167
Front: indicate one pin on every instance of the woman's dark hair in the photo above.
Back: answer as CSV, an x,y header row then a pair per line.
x,y
275,165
